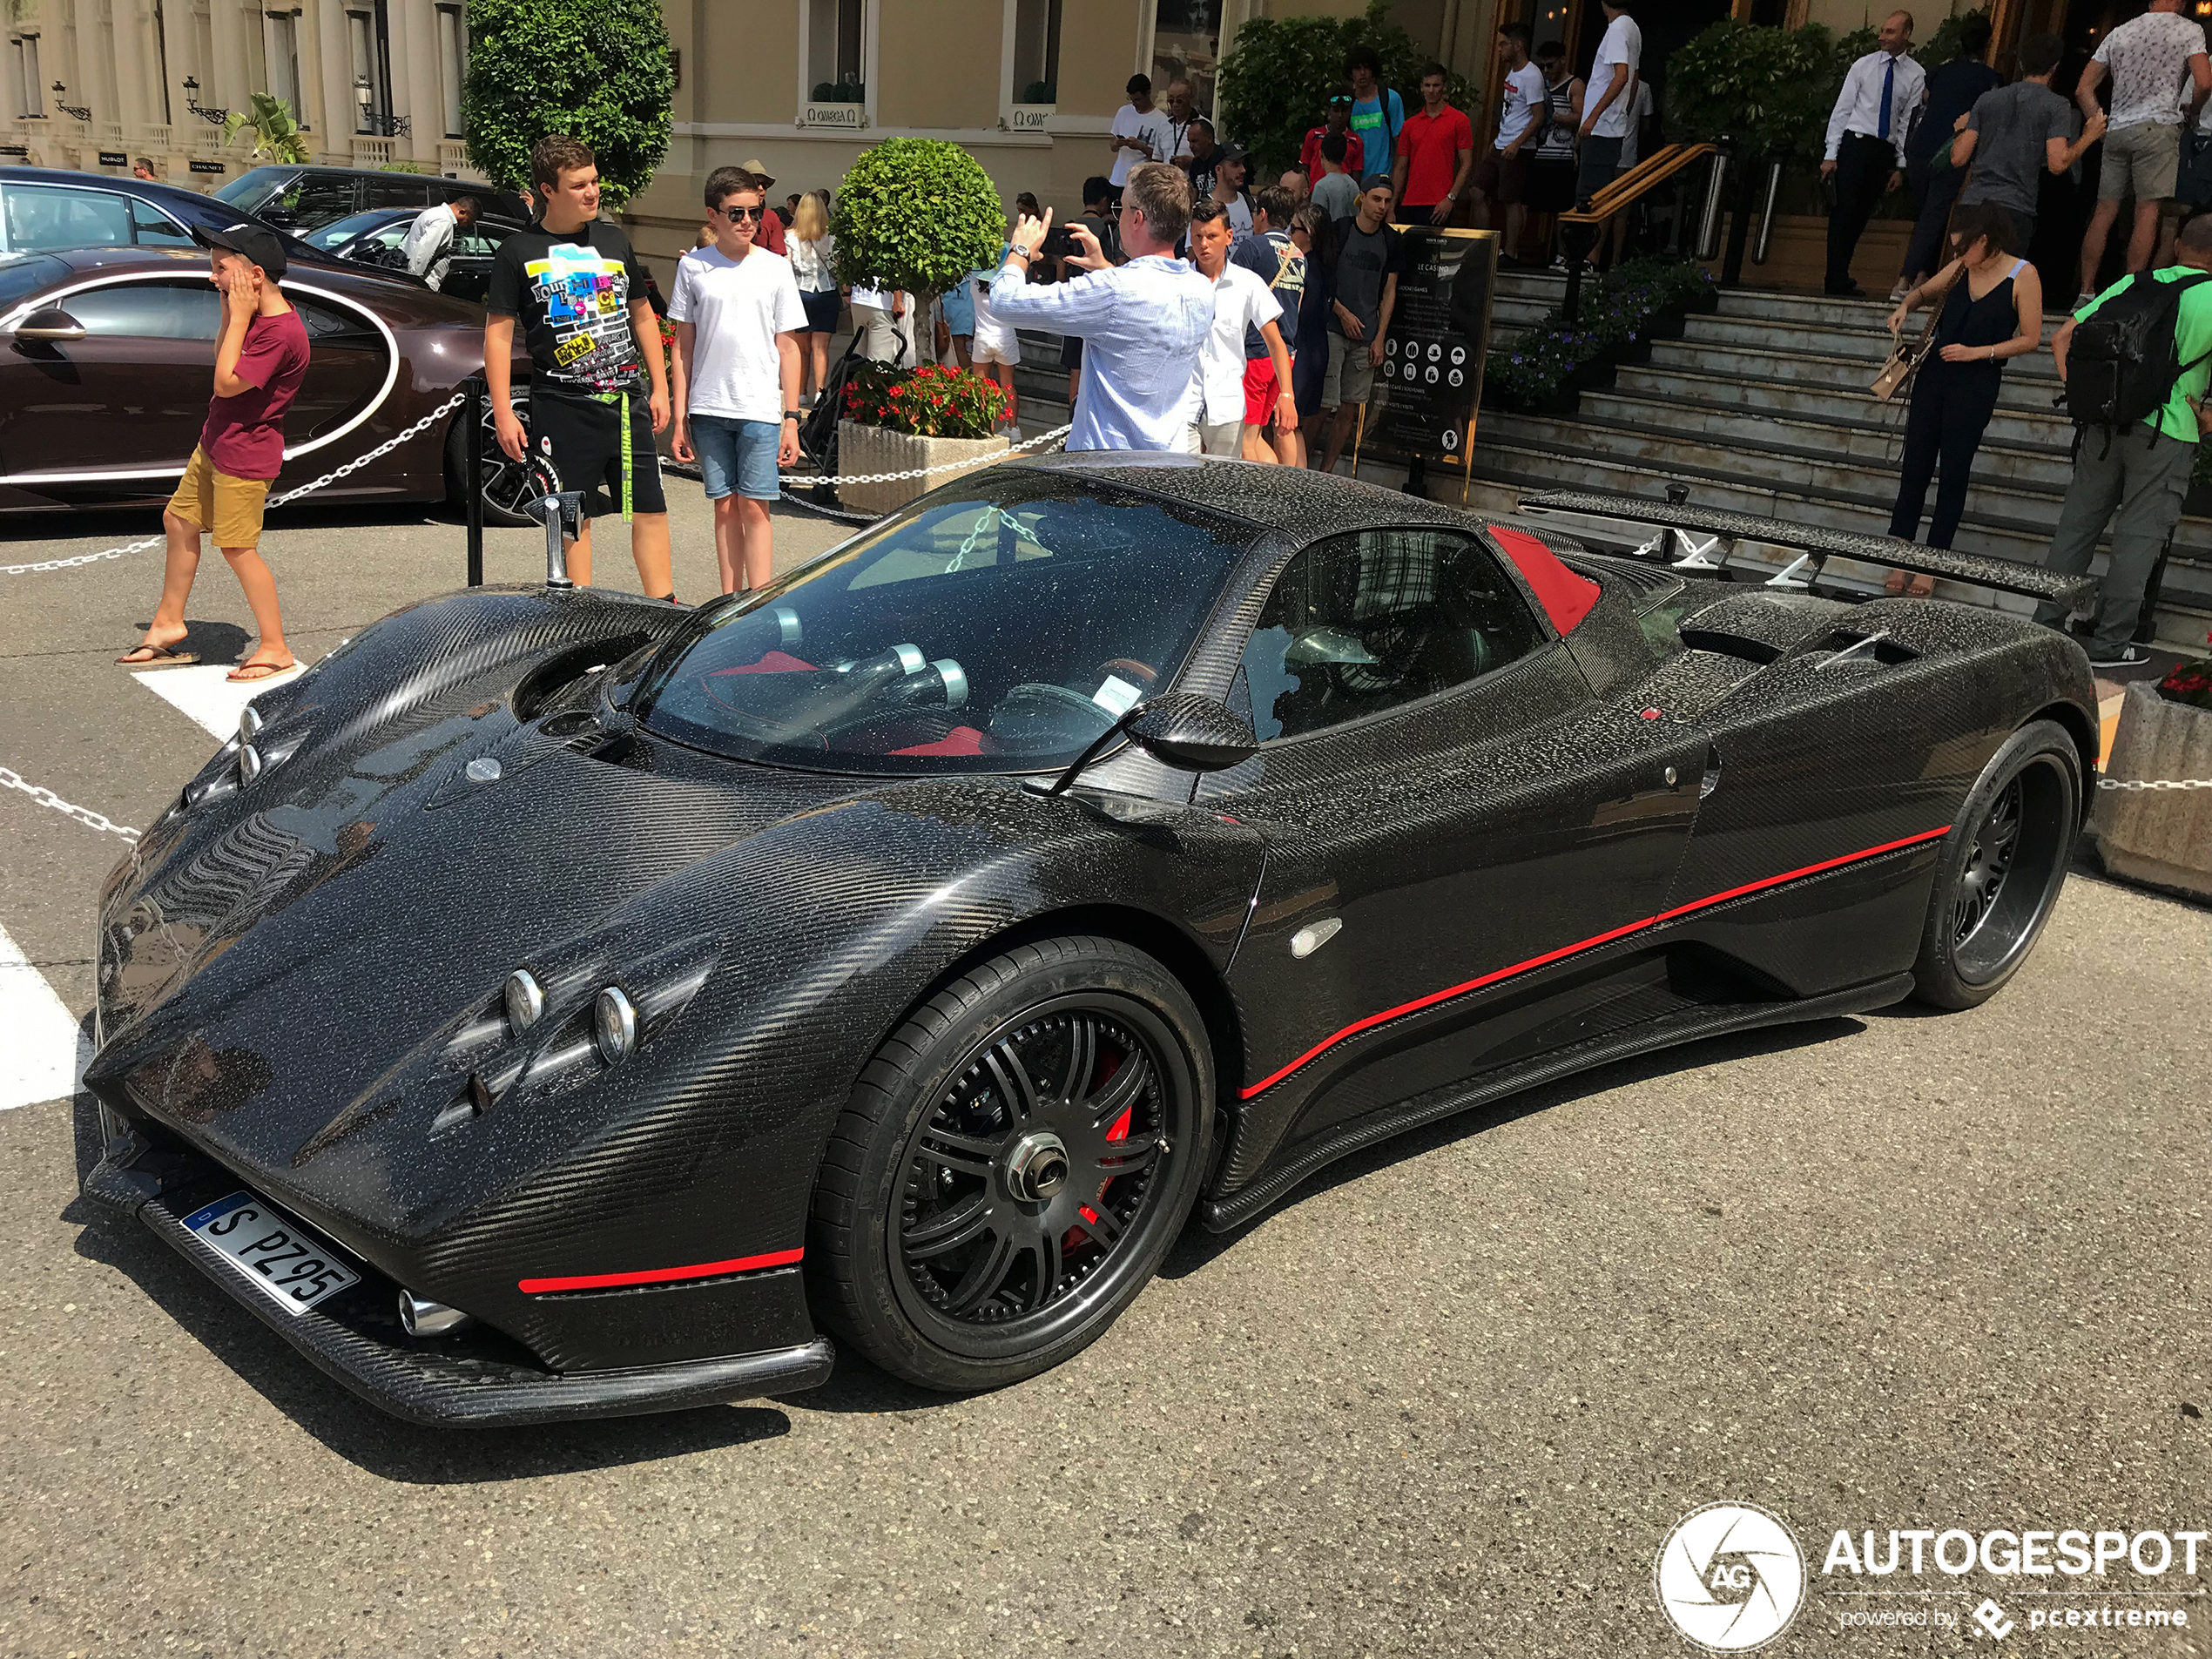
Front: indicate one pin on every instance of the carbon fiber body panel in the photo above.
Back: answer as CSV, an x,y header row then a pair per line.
x,y
1614,839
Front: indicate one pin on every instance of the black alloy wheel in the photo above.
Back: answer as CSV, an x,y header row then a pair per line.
x,y
508,486
1013,1164
2001,868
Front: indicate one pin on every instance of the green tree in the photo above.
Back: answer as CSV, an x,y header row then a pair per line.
x,y
918,214
276,135
1770,90
597,69
1273,86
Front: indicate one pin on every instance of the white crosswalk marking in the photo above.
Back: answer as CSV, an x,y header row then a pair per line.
x,y
41,1057
207,693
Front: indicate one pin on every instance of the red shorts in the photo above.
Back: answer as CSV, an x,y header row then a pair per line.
x,y
1260,390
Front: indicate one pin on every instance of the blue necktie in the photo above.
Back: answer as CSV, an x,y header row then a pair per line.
x,y
1889,85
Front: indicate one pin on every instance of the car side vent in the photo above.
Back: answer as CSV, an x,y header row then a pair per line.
x,y
1877,648
1727,644
537,690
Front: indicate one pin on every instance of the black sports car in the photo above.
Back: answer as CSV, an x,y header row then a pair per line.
x,y
559,1003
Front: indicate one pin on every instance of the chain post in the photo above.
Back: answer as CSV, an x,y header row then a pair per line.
x,y
472,475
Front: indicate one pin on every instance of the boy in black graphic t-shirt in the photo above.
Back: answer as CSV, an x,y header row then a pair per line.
x,y
579,292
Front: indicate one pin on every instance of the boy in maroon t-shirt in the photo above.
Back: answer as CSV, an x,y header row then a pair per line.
x,y
260,358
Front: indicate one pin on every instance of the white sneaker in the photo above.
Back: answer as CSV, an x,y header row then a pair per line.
x,y
1897,293
806,400
2082,299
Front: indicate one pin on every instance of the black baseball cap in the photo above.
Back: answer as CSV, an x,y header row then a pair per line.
x,y
258,243
1232,153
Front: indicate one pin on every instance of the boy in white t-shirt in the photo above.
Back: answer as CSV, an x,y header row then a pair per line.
x,y
1609,105
1140,133
739,318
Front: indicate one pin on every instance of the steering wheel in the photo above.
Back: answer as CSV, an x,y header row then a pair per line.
x,y
1035,716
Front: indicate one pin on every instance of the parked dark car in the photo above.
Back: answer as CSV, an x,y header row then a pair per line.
x,y
43,209
110,351
304,199
375,239
559,1003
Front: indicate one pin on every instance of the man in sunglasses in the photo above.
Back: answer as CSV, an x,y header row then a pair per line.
x,y
739,318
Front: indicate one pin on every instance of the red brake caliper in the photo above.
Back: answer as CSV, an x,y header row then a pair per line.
x,y
1119,1132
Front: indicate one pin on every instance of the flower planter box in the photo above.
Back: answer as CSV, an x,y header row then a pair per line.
x,y
2159,837
862,450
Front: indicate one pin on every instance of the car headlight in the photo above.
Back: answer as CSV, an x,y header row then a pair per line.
x,y
614,1024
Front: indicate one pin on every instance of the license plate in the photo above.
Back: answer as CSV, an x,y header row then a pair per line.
x,y
289,1262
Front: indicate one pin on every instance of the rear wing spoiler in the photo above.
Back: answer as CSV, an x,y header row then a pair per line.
x,y
1815,545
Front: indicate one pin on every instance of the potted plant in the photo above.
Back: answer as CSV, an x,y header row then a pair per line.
x,y
900,419
2161,836
916,214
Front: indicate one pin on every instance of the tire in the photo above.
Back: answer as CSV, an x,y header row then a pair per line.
x,y
940,1244
2001,868
506,483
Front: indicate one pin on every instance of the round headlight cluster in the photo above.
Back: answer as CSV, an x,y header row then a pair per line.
x,y
524,999
614,1024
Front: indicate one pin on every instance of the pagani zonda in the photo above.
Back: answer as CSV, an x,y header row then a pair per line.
x,y
559,1003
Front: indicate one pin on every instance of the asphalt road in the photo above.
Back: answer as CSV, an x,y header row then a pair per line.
x,y
1893,1271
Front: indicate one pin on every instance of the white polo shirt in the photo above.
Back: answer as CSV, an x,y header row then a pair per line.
x,y
1241,299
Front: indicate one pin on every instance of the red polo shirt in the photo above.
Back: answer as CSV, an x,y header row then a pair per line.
x,y
1433,145
1309,160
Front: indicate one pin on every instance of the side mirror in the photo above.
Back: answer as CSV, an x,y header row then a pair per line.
x,y
50,324
1194,732
1182,728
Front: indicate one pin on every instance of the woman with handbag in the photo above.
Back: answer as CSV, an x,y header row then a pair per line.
x,y
1992,309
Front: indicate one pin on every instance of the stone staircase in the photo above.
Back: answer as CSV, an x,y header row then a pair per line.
x,y
1761,407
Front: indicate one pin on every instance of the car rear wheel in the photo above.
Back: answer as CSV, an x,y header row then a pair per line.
x,y
507,484
2001,868
1013,1165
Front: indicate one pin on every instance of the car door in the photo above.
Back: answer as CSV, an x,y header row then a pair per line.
x,y
311,200
129,396
469,277
346,361
1449,813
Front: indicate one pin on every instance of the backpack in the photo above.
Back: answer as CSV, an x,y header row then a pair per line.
x,y
2124,361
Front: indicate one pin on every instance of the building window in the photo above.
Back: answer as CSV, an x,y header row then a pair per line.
x,y
1186,46
161,58
280,44
834,67
370,39
1036,51
30,91
453,63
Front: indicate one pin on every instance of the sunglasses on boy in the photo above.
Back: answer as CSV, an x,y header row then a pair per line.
x,y
740,215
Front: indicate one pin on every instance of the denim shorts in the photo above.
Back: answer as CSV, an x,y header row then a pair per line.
x,y
737,456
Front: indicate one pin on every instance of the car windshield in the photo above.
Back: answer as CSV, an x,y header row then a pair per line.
x,y
344,230
249,190
1000,624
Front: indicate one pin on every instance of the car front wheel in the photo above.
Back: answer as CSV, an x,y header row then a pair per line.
x,y
1013,1165
507,485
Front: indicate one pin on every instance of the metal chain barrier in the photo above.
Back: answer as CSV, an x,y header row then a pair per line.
x,y
330,477
924,472
2154,783
83,815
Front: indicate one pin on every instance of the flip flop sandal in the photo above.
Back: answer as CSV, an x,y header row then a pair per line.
x,y
246,673
163,657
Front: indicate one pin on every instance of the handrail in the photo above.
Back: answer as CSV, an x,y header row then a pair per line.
x,y
1632,186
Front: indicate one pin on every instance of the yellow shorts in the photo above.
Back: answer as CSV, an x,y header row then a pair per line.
x,y
228,509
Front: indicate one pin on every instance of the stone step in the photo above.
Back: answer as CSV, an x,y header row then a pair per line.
x,y
2038,424
1837,375
1875,443
1867,343
2186,606
1666,451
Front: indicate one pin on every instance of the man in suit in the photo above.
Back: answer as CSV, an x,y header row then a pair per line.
x,y
1866,131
